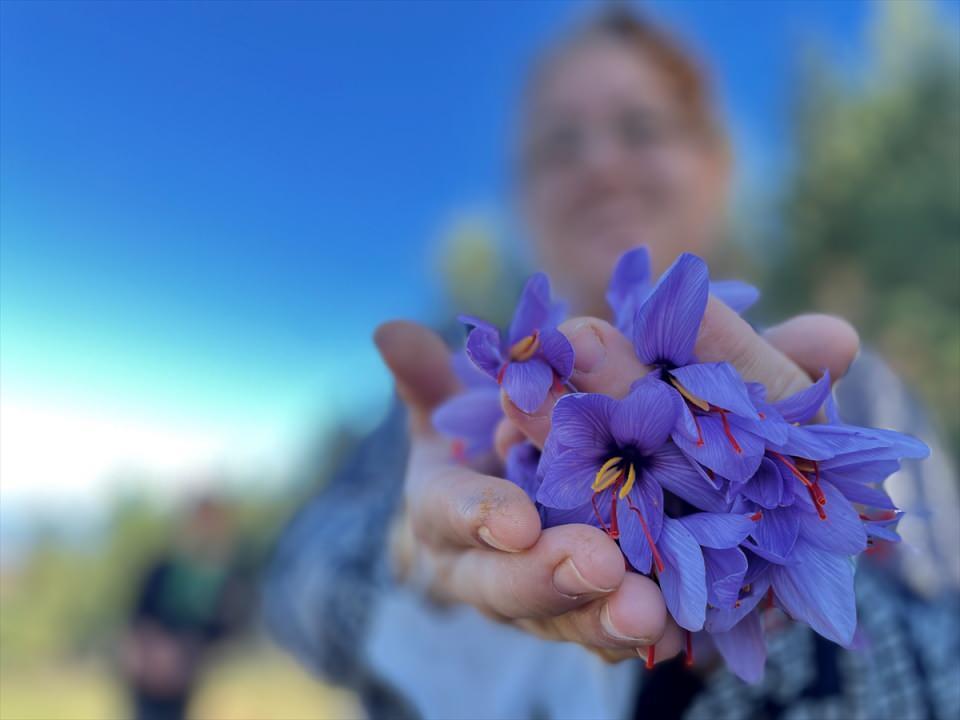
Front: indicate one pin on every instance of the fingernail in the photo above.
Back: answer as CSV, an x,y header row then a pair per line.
x,y
568,581
590,349
606,622
487,537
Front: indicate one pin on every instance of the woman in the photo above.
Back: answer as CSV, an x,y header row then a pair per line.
x,y
447,614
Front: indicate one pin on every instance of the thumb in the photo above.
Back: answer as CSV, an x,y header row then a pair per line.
x,y
420,363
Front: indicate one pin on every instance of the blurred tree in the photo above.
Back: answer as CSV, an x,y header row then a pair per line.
x,y
871,214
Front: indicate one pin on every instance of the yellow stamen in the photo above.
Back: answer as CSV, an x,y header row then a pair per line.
x,y
628,485
524,348
691,398
607,474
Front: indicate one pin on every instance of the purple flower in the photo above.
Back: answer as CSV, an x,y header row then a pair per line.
x,y
614,458
533,357
470,418
719,426
630,285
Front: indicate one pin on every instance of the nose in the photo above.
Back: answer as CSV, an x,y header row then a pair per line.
x,y
602,159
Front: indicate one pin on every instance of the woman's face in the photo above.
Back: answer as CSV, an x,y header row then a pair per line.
x,y
611,164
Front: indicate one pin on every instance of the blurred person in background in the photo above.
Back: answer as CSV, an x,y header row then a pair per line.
x,y
189,599
429,588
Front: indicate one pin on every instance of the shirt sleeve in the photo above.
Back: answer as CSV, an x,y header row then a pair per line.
x,y
321,583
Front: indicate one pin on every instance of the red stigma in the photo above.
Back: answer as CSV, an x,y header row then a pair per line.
x,y
729,432
813,488
688,652
557,384
614,525
756,516
699,431
503,369
596,512
658,561
459,450
651,652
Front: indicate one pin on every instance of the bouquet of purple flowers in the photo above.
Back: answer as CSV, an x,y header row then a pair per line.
x,y
733,502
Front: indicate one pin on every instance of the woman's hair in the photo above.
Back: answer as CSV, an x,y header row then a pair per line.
x,y
617,22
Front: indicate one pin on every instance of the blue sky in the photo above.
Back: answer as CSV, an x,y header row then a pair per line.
x,y
207,208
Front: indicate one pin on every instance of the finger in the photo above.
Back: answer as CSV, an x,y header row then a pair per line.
x,y
604,362
535,426
420,363
672,643
569,566
726,337
816,343
452,505
633,616
506,436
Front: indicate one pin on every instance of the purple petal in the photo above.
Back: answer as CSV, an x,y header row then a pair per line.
x,y
725,572
473,417
776,533
533,309
673,471
770,427
632,272
842,530
556,350
472,321
717,451
582,420
723,619
645,417
683,580
469,375
801,442
735,294
818,590
521,468
483,348
865,495
628,288
718,384
667,323
567,480
718,530
527,383
884,529
802,406
766,487
583,515
744,648
646,498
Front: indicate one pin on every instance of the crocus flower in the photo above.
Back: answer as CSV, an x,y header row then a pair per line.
x,y
615,457
470,418
719,426
533,356
630,284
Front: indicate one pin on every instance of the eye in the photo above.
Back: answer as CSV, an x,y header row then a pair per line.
x,y
638,128
559,146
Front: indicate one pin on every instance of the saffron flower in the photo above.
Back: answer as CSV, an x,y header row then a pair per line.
x,y
630,284
533,356
733,503
719,426
614,458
